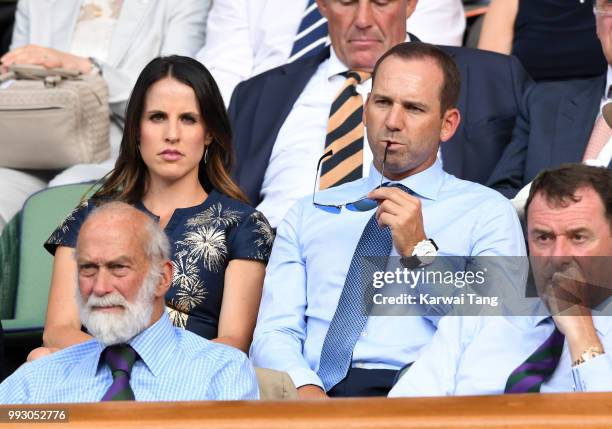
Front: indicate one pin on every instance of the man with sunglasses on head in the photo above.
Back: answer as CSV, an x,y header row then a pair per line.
x,y
310,323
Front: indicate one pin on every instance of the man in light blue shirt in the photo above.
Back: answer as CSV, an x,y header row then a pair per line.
x,y
569,220
136,354
410,110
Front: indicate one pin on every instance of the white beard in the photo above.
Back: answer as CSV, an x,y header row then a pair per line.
x,y
116,328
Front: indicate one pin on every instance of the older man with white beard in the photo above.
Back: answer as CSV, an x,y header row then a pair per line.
x,y
136,354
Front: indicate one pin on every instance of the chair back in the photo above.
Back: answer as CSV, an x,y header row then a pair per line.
x,y
41,214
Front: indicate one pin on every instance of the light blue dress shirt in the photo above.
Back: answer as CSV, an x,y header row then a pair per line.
x,y
476,355
312,253
175,365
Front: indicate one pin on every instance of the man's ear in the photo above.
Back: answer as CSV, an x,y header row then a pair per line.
x,y
165,279
450,123
410,7
322,5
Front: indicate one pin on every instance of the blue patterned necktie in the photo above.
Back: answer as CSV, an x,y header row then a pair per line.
x,y
311,35
120,358
351,315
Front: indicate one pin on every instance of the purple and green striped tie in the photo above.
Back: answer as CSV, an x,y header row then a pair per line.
x,y
538,367
120,358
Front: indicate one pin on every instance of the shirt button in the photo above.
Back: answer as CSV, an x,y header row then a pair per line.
x,y
364,333
358,365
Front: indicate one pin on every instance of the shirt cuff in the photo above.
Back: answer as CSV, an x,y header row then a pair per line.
x,y
302,377
593,375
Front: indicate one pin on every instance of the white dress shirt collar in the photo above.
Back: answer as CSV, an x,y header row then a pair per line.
x,y
334,65
426,184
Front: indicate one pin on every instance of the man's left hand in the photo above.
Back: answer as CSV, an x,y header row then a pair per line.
x,y
402,213
568,299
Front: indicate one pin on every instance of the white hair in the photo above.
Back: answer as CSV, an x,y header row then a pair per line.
x,y
156,245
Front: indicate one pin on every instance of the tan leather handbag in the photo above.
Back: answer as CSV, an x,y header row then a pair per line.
x,y
52,118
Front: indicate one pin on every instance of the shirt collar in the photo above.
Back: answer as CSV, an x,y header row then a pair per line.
x,y
335,66
156,344
85,369
425,184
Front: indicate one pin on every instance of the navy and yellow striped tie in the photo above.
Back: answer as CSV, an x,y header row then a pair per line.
x,y
345,134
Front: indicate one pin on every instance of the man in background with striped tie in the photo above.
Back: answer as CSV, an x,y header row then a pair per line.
x,y
245,38
124,271
314,321
569,223
283,120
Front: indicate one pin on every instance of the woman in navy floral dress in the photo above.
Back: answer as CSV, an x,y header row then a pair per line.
x,y
174,165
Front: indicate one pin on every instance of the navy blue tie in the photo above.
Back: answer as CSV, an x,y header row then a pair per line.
x,y
312,33
351,315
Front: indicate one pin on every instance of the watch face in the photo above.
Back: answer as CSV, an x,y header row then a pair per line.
x,y
425,248
426,252
426,259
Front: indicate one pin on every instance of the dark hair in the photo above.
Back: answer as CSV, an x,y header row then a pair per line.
x,y
449,93
128,180
559,185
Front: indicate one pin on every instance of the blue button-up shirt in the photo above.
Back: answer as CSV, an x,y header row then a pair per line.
x,y
476,355
312,253
174,365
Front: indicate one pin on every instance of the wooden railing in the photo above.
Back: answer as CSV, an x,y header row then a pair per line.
x,y
559,411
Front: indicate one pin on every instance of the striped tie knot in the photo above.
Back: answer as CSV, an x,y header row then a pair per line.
x,y
356,76
120,358
345,134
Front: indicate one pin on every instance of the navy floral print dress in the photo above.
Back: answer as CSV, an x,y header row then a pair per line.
x,y
204,239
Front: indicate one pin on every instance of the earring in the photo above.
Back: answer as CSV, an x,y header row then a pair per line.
x,y
206,155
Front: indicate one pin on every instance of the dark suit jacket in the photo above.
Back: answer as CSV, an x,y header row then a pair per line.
x,y
553,127
491,90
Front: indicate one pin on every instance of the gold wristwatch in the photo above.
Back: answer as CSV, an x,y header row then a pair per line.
x,y
590,353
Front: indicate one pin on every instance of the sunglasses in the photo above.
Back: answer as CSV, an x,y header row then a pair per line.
x,y
363,204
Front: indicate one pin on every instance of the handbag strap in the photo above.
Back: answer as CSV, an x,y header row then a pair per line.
x,y
50,77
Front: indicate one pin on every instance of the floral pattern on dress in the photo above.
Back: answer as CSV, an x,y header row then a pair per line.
x,y
204,239
204,246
